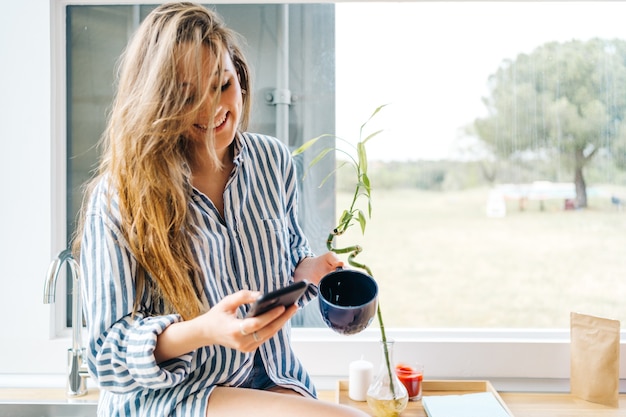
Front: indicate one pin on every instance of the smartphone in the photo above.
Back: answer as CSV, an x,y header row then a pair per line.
x,y
285,296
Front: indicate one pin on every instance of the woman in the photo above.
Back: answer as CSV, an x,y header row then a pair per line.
x,y
188,221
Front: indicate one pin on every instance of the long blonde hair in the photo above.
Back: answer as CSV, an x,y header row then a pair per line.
x,y
146,153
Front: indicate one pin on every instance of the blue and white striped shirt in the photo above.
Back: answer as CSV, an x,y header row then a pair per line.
x,y
256,246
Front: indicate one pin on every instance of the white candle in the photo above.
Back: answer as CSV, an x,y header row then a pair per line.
x,y
359,379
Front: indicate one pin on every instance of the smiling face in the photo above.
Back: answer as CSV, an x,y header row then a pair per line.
x,y
214,99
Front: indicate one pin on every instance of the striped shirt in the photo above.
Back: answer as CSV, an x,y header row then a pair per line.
x,y
256,245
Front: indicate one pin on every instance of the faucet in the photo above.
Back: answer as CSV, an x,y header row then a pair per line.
x,y
77,368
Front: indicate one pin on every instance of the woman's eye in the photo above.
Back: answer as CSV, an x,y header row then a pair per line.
x,y
190,100
226,85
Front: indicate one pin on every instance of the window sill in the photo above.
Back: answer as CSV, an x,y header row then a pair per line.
x,y
513,360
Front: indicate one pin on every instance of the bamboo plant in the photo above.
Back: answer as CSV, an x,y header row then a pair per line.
x,y
353,214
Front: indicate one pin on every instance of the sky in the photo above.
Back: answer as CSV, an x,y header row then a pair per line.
x,y
430,62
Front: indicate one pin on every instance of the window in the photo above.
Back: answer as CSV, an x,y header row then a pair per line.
x,y
479,225
477,232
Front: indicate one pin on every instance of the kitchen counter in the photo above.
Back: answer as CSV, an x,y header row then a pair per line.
x,y
527,405
47,395
52,402
521,404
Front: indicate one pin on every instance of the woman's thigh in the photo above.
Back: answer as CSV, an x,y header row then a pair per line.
x,y
228,402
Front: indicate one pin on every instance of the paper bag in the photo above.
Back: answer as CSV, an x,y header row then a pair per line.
x,y
594,365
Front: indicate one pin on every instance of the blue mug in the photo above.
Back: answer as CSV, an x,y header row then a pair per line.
x,y
348,300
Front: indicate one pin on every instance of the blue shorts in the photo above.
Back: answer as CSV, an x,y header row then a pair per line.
x,y
258,378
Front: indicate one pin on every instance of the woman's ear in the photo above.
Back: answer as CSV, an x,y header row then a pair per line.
x,y
243,90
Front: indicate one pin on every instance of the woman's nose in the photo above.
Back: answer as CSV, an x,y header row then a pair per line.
x,y
209,110
206,109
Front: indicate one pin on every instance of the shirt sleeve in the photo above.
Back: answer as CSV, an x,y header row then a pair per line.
x,y
299,243
121,342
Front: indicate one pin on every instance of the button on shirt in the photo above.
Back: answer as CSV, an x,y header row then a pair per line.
x,y
256,246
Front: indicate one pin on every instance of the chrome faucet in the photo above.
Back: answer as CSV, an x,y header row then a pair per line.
x,y
77,368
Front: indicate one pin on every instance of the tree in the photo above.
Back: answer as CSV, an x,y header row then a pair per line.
x,y
563,100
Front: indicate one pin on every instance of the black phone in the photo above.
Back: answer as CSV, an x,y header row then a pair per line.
x,y
285,296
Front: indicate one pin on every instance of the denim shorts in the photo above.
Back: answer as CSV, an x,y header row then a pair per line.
x,y
258,378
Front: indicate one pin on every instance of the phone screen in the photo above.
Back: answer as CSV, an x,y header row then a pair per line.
x,y
285,296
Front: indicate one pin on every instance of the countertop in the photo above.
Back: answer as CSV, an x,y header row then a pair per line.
x,y
520,404
48,395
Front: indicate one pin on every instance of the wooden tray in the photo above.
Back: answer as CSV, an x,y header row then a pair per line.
x,y
429,387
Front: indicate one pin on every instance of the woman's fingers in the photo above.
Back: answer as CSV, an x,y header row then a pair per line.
x,y
233,301
223,327
256,330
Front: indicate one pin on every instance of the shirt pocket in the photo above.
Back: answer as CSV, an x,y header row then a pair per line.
x,y
278,255
275,225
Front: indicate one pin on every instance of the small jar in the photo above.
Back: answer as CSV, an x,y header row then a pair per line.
x,y
411,377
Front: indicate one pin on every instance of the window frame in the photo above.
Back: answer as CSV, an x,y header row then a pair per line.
x,y
512,359
58,176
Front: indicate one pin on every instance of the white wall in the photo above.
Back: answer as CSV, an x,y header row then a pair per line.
x,y
25,209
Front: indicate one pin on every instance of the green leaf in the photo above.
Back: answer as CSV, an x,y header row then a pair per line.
x,y
353,162
345,218
327,177
362,221
366,182
362,153
379,108
320,156
306,145
372,135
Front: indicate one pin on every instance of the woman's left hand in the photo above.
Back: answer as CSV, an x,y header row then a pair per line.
x,y
313,269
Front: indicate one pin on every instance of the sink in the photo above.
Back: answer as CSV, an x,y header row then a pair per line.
x,y
46,409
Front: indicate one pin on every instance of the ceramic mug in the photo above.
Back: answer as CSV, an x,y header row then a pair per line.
x,y
348,300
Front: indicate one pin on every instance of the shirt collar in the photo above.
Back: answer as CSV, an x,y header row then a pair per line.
x,y
239,149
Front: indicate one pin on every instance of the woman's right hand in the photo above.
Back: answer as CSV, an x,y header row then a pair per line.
x,y
221,326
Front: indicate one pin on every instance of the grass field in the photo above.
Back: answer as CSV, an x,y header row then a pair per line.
x,y
441,262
